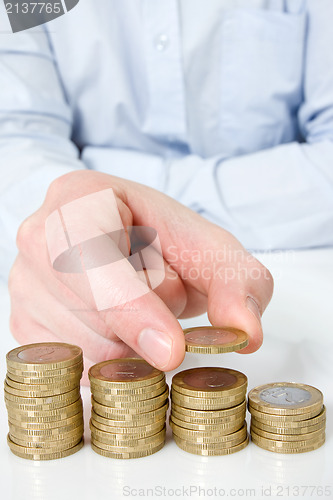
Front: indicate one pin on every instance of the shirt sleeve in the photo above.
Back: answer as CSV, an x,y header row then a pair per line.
x,y
282,197
35,130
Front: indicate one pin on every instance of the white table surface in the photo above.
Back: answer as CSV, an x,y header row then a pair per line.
x,y
298,346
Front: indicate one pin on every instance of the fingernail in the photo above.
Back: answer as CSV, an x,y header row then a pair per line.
x,y
156,347
253,307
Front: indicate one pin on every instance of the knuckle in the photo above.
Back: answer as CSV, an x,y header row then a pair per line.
x,y
28,235
55,187
24,234
62,184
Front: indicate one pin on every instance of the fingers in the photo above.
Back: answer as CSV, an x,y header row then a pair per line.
x,y
144,323
27,331
212,262
196,303
172,291
240,301
35,311
89,261
91,276
129,308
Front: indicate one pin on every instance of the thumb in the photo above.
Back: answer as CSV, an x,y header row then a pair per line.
x,y
132,311
147,326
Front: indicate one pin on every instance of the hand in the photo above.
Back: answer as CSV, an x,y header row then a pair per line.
x,y
206,269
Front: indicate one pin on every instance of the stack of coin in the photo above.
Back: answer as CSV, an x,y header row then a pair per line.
x,y
287,417
129,405
208,410
42,395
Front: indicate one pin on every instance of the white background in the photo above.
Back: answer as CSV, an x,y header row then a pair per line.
x,y
298,346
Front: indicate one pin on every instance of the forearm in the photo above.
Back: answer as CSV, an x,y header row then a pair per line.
x,y
278,198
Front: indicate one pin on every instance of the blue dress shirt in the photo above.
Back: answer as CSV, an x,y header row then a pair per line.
x,y
225,105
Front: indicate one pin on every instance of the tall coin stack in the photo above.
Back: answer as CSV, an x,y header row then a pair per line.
x,y
129,405
287,417
208,410
42,396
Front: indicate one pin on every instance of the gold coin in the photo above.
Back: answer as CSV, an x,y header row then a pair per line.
x,y
23,452
46,425
44,356
290,444
210,444
127,373
205,404
288,437
207,416
209,382
120,419
286,398
227,421
34,435
130,398
124,440
221,428
44,403
49,435
158,438
42,382
46,416
214,340
143,391
29,391
288,422
119,407
286,430
127,455
137,432
46,444
282,447
211,439
198,449
237,394
57,390
30,376
284,419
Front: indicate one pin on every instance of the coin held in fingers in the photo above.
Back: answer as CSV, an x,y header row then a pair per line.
x,y
214,340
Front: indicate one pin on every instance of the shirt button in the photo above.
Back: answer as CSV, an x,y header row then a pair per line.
x,y
161,42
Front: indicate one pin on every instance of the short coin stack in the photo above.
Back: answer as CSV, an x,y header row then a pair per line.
x,y
287,417
208,410
129,405
42,395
